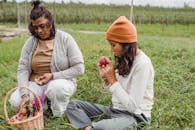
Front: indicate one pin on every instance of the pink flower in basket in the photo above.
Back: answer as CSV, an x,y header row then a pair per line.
x,y
29,117
29,109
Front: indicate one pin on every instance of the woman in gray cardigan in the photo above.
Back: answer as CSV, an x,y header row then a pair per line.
x,y
49,64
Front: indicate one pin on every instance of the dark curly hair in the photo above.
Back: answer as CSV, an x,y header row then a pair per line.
x,y
37,12
125,62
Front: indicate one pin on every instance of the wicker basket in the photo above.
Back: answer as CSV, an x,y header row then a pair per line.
x,y
31,123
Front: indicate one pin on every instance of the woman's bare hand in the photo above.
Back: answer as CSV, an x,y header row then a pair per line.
x,y
108,73
44,79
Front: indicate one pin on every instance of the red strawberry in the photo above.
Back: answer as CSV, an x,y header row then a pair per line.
x,y
13,119
35,113
23,111
19,116
103,61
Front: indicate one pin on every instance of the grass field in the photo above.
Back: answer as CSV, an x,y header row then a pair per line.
x,y
171,49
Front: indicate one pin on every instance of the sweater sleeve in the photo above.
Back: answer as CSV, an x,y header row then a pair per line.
x,y
132,97
24,65
75,60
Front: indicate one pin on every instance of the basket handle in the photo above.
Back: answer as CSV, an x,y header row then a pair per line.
x,y
9,93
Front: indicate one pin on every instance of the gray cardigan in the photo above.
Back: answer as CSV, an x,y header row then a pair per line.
x,y
67,60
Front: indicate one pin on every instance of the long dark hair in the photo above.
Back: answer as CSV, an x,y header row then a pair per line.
x,y
124,63
37,12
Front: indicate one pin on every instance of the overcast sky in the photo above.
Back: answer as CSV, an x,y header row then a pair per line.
x,y
164,3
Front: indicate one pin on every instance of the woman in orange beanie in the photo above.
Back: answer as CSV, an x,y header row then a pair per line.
x,y
130,83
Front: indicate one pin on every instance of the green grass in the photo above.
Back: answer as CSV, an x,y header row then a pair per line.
x,y
175,30
171,49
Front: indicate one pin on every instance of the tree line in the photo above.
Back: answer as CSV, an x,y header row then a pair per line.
x,y
83,13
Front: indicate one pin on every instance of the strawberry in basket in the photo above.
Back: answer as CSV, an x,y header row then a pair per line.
x,y
17,117
28,116
27,109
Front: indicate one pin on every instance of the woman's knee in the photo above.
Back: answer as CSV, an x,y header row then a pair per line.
x,y
60,89
15,99
73,104
36,88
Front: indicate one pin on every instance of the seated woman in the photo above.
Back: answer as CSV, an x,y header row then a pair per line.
x,y
130,84
49,64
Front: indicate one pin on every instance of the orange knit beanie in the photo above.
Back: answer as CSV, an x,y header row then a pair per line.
x,y
122,31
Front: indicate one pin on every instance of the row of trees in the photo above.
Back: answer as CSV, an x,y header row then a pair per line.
x,y
81,13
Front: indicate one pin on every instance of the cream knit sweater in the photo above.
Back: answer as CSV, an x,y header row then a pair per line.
x,y
134,93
